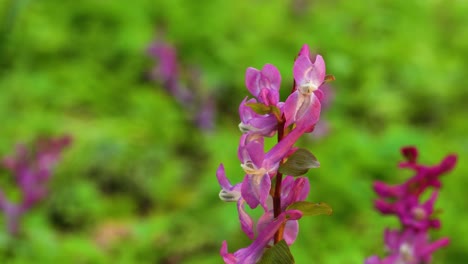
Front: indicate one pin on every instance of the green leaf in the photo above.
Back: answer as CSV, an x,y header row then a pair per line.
x,y
308,208
278,254
259,108
299,163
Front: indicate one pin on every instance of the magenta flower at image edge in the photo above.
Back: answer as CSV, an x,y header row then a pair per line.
x,y
411,245
290,119
32,170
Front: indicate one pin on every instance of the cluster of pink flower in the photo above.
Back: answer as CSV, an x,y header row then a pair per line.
x,y
32,169
411,244
281,198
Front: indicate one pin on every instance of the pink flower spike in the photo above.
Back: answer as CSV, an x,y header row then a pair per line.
x,y
264,116
32,169
412,244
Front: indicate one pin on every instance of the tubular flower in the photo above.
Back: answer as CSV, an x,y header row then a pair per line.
x,y
303,105
264,84
253,123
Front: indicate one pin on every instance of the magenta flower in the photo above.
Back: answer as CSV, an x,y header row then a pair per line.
x,y
303,106
294,190
325,95
32,170
254,123
264,84
252,253
264,116
267,226
411,245
230,193
425,177
403,200
261,167
309,76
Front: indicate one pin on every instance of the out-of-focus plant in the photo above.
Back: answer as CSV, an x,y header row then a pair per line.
x,y
183,83
32,169
411,244
274,180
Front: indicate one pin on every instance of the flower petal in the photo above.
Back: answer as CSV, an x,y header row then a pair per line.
x,y
291,230
252,253
251,149
298,192
320,68
273,75
228,258
302,66
245,219
252,77
304,51
255,190
222,179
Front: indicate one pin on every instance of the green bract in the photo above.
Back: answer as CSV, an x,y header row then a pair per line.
x,y
299,163
278,254
309,208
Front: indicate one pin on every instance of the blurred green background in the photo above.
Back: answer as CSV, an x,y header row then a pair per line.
x,y
138,184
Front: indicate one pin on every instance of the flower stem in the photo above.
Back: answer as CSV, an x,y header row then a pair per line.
x,y
282,132
277,206
277,193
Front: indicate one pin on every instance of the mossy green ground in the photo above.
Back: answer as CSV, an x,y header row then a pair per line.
x,y
138,184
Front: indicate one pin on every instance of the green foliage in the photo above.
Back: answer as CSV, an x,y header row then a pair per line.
x,y
263,109
299,163
309,209
259,108
138,184
278,253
